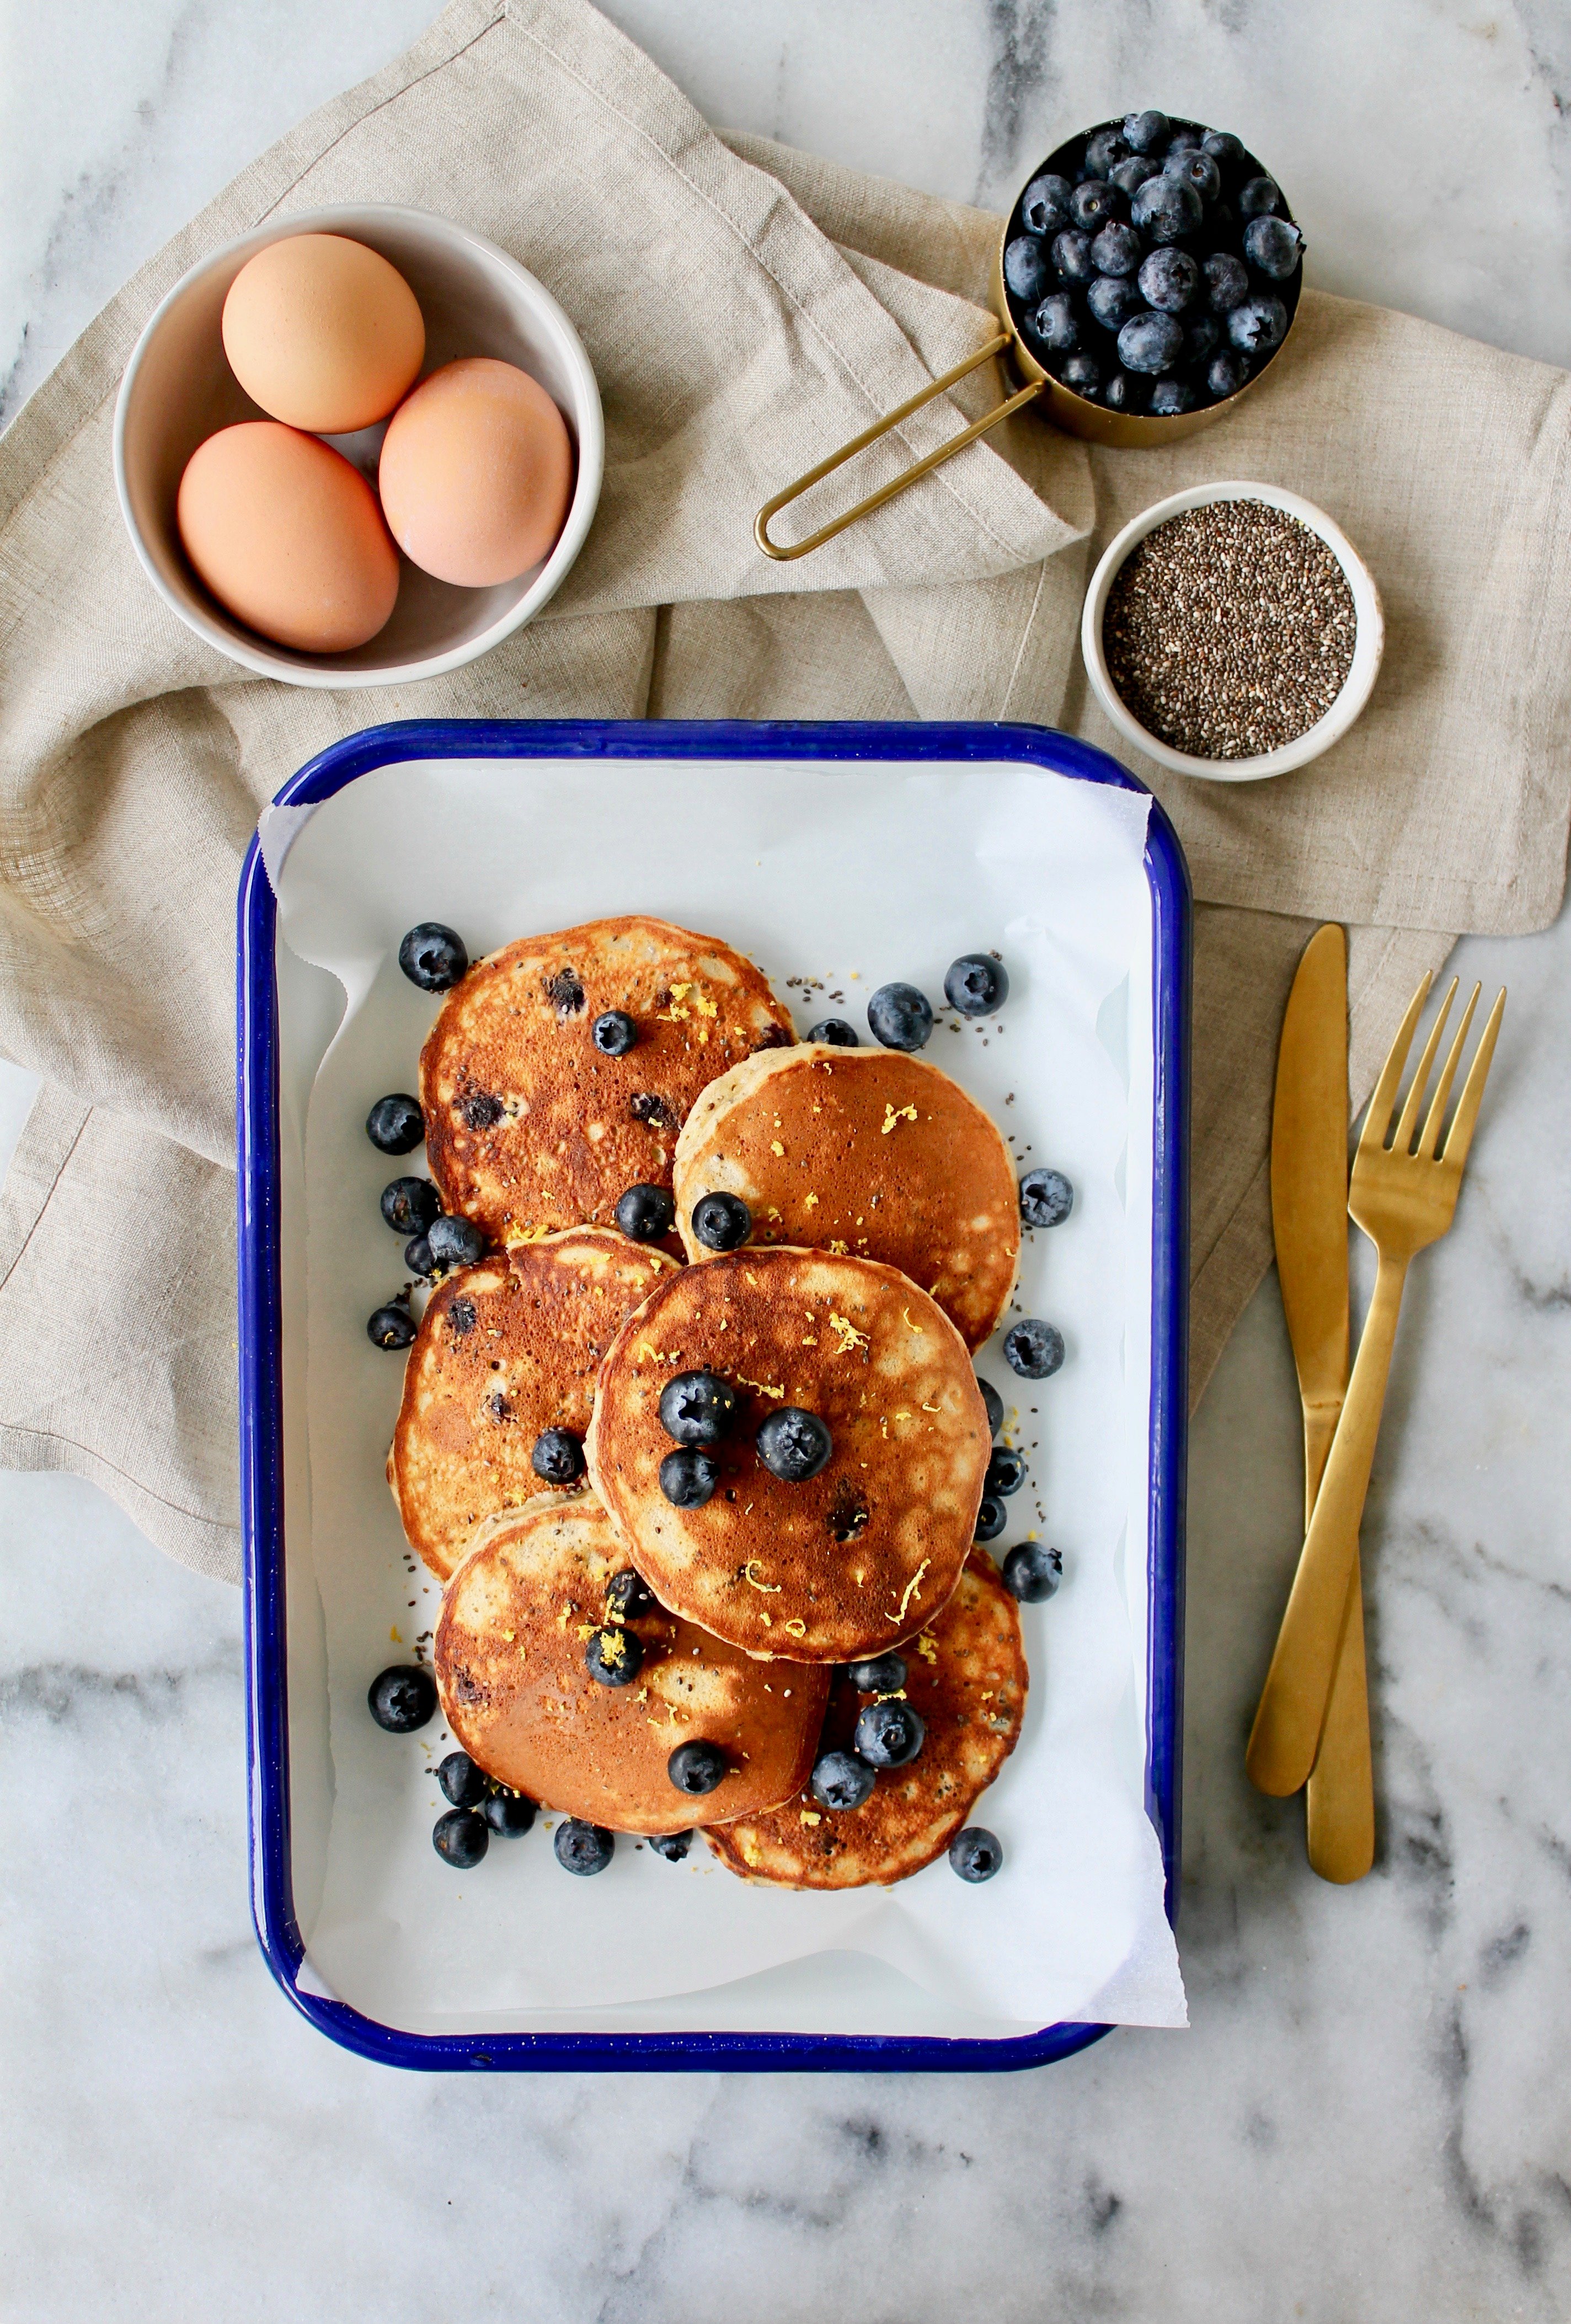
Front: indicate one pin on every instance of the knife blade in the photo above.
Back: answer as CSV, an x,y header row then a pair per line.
x,y
1309,1200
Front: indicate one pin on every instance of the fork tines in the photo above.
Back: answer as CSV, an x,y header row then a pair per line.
x,y
1377,1125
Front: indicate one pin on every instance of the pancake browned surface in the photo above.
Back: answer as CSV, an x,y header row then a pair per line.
x,y
527,1126
967,1677
865,1150
519,1696
843,1565
504,1349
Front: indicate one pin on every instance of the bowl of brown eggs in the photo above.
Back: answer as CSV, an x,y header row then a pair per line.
x,y
357,446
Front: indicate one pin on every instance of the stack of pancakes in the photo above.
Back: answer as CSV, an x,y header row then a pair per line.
x,y
884,1252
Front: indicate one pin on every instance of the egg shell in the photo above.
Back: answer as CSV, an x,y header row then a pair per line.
x,y
476,472
288,536
323,333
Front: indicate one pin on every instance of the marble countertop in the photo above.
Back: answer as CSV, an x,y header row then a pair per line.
x,y
1370,2117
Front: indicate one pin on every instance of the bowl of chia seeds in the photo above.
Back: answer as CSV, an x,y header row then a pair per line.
x,y
1232,631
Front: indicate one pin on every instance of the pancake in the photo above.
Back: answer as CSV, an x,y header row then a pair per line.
x,y
843,1565
517,1695
967,1677
506,1349
528,1126
865,1150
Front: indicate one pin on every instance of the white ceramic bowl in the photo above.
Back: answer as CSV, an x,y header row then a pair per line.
x,y
179,390
1369,641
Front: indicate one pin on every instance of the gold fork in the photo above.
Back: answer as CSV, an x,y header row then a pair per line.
x,y
1403,1199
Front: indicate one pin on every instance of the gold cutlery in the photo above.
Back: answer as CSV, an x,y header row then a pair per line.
x,y
1404,1198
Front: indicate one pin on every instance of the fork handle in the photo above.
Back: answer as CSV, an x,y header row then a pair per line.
x,y
1339,1804
1286,1735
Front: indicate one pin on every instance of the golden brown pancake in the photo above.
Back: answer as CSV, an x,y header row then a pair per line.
x,y
527,1126
868,1151
517,1693
504,1349
965,1675
840,1565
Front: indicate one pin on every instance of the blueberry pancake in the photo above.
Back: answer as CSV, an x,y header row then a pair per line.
x,y
809,1487
965,1675
507,1350
535,1607
867,1151
560,1069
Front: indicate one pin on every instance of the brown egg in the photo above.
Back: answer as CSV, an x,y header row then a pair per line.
x,y
288,536
476,472
323,333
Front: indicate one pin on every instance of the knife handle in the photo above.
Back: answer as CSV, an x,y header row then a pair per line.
x,y
1339,1823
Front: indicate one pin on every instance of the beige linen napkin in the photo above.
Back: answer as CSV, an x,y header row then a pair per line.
x,y
745,308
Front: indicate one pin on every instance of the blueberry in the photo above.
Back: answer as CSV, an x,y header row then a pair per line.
x,y
1046,1198
1116,250
975,984
409,1206
1071,254
836,1032
1169,397
628,1595
1082,375
1097,203
697,1407
840,1781
1169,281
991,1519
1259,198
645,1212
455,1242
722,1221
461,1317
433,957
975,1853
460,1838
1104,151
1274,245
418,1257
1258,326
583,1848
1146,131
671,1845
1005,1473
697,1768
510,1815
1224,149
557,1456
1130,175
1225,374
688,1478
1196,169
1033,1349
1227,281
1126,391
889,1734
614,1656
615,1033
1025,268
391,1327
395,1125
1184,140
994,1404
1054,322
403,1698
1167,208
1032,1572
1202,337
1044,205
462,1782
793,1445
900,1016
885,1675
1149,343
1113,300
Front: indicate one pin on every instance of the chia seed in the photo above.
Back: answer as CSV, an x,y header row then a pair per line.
x,y
1229,631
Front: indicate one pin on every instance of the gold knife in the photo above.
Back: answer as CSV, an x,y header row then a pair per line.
x,y
1309,1202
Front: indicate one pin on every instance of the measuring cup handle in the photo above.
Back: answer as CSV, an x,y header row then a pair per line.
x,y
870,436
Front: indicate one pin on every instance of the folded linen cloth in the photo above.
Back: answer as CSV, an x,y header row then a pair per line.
x,y
745,308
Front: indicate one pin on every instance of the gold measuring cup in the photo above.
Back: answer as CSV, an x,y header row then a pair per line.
x,y
1075,414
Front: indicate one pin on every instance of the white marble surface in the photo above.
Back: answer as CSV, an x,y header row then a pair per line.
x,y
1369,2121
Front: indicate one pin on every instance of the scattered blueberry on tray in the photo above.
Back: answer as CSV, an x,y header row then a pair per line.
x,y
433,957
993,1404
975,984
991,1519
836,1032
410,1206
391,1327
462,1783
1033,1349
583,1848
402,1699
1005,1473
395,1124
454,1243
671,1845
461,1837
1033,1572
1046,1198
508,1814
975,1853
900,1016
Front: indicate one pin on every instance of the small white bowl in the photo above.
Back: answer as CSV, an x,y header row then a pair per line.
x,y
1369,641
179,390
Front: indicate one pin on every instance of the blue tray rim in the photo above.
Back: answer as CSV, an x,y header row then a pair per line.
x,y
260,1375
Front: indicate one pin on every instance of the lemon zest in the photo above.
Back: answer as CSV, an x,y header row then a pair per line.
x,y
912,1589
846,1330
770,1589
